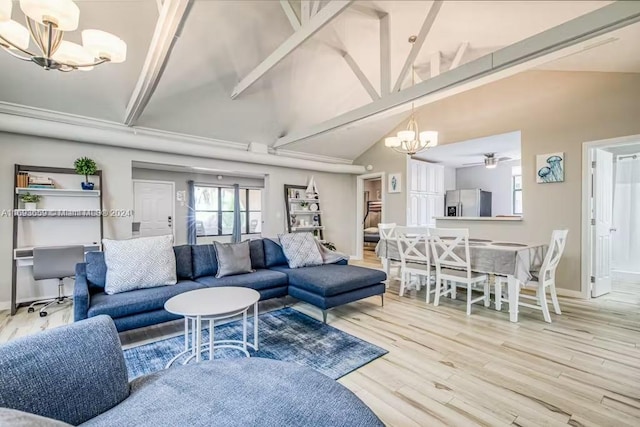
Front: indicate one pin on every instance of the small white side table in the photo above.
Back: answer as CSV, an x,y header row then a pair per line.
x,y
213,304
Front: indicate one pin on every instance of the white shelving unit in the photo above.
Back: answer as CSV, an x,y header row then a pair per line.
x,y
67,215
68,192
301,219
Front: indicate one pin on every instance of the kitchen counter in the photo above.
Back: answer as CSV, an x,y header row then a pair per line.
x,y
478,218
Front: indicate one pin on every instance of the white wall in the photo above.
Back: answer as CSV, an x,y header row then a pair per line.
x,y
337,192
449,178
498,181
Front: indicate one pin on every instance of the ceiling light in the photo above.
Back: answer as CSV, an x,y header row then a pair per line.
x,y
490,161
47,21
411,140
5,10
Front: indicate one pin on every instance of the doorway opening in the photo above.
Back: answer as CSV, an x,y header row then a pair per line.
x,y
611,219
370,212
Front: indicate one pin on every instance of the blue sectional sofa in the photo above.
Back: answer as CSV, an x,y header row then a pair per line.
x,y
324,286
76,374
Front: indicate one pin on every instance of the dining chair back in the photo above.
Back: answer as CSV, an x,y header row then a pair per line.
x,y
450,249
413,248
543,280
386,233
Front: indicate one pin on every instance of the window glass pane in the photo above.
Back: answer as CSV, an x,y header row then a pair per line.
x,y
206,223
255,200
243,199
227,199
206,198
227,222
517,182
255,222
517,202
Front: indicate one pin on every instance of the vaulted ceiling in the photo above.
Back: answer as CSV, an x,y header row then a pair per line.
x,y
221,42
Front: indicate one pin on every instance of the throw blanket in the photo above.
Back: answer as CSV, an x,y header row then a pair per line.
x,y
330,257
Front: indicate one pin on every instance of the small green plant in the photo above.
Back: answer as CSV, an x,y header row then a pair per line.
x,y
30,198
85,166
304,205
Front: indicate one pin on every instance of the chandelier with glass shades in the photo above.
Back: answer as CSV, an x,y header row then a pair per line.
x,y
411,141
47,21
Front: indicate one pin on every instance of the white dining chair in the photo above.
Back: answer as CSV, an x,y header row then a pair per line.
x,y
545,279
413,246
387,233
454,269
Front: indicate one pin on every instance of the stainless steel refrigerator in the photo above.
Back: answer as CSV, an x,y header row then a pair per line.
x,y
473,202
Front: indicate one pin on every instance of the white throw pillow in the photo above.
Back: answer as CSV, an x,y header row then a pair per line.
x,y
145,262
300,249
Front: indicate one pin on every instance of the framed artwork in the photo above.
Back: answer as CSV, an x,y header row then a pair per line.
x,y
395,183
549,168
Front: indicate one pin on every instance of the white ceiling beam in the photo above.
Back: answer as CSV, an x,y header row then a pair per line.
x,y
159,4
314,7
291,14
361,76
169,23
385,54
415,47
435,64
560,41
326,15
305,11
457,60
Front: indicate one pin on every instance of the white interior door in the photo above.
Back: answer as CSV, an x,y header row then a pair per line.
x,y
603,222
153,204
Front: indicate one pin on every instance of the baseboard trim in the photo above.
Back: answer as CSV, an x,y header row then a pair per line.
x,y
355,258
625,276
569,293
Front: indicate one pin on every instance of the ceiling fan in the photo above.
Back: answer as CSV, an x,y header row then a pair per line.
x,y
490,161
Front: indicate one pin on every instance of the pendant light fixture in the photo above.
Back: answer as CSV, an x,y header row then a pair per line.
x,y
411,141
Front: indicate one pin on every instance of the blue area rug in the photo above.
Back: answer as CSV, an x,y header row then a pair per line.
x,y
285,334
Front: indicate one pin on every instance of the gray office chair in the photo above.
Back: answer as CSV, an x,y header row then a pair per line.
x,y
56,262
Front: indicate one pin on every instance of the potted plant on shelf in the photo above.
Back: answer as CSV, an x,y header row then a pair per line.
x,y
30,201
86,166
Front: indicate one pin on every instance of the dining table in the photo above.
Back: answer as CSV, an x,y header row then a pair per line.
x,y
518,262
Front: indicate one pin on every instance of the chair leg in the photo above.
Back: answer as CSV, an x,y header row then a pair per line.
x,y
324,316
498,294
436,300
403,278
469,296
554,298
487,294
428,289
382,300
453,288
542,300
419,282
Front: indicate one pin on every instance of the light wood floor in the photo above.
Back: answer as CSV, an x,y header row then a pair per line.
x,y
444,368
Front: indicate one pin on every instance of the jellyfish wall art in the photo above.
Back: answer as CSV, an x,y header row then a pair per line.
x,y
550,167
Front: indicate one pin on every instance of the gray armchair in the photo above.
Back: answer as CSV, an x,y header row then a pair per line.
x,y
77,374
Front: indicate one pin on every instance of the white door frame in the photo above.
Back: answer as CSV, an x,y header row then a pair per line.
x,y
587,187
360,179
173,199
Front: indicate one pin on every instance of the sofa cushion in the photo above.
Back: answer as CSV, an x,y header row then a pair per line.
x,y
233,258
256,247
273,253
184,269
332,279
301,249
205,262
96,268
144,262
240,392
13,418
258,280
138,301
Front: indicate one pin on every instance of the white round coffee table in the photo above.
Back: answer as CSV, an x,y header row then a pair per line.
x,y
213,304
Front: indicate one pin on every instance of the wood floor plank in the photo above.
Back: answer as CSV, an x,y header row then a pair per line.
x,y
447,368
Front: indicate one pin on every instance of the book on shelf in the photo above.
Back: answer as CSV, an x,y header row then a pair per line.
x,y
41,186
22,179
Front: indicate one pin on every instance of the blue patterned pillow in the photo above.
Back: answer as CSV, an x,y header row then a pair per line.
x,y
301,250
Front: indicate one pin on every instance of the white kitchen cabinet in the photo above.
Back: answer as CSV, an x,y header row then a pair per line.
x,y
426,193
